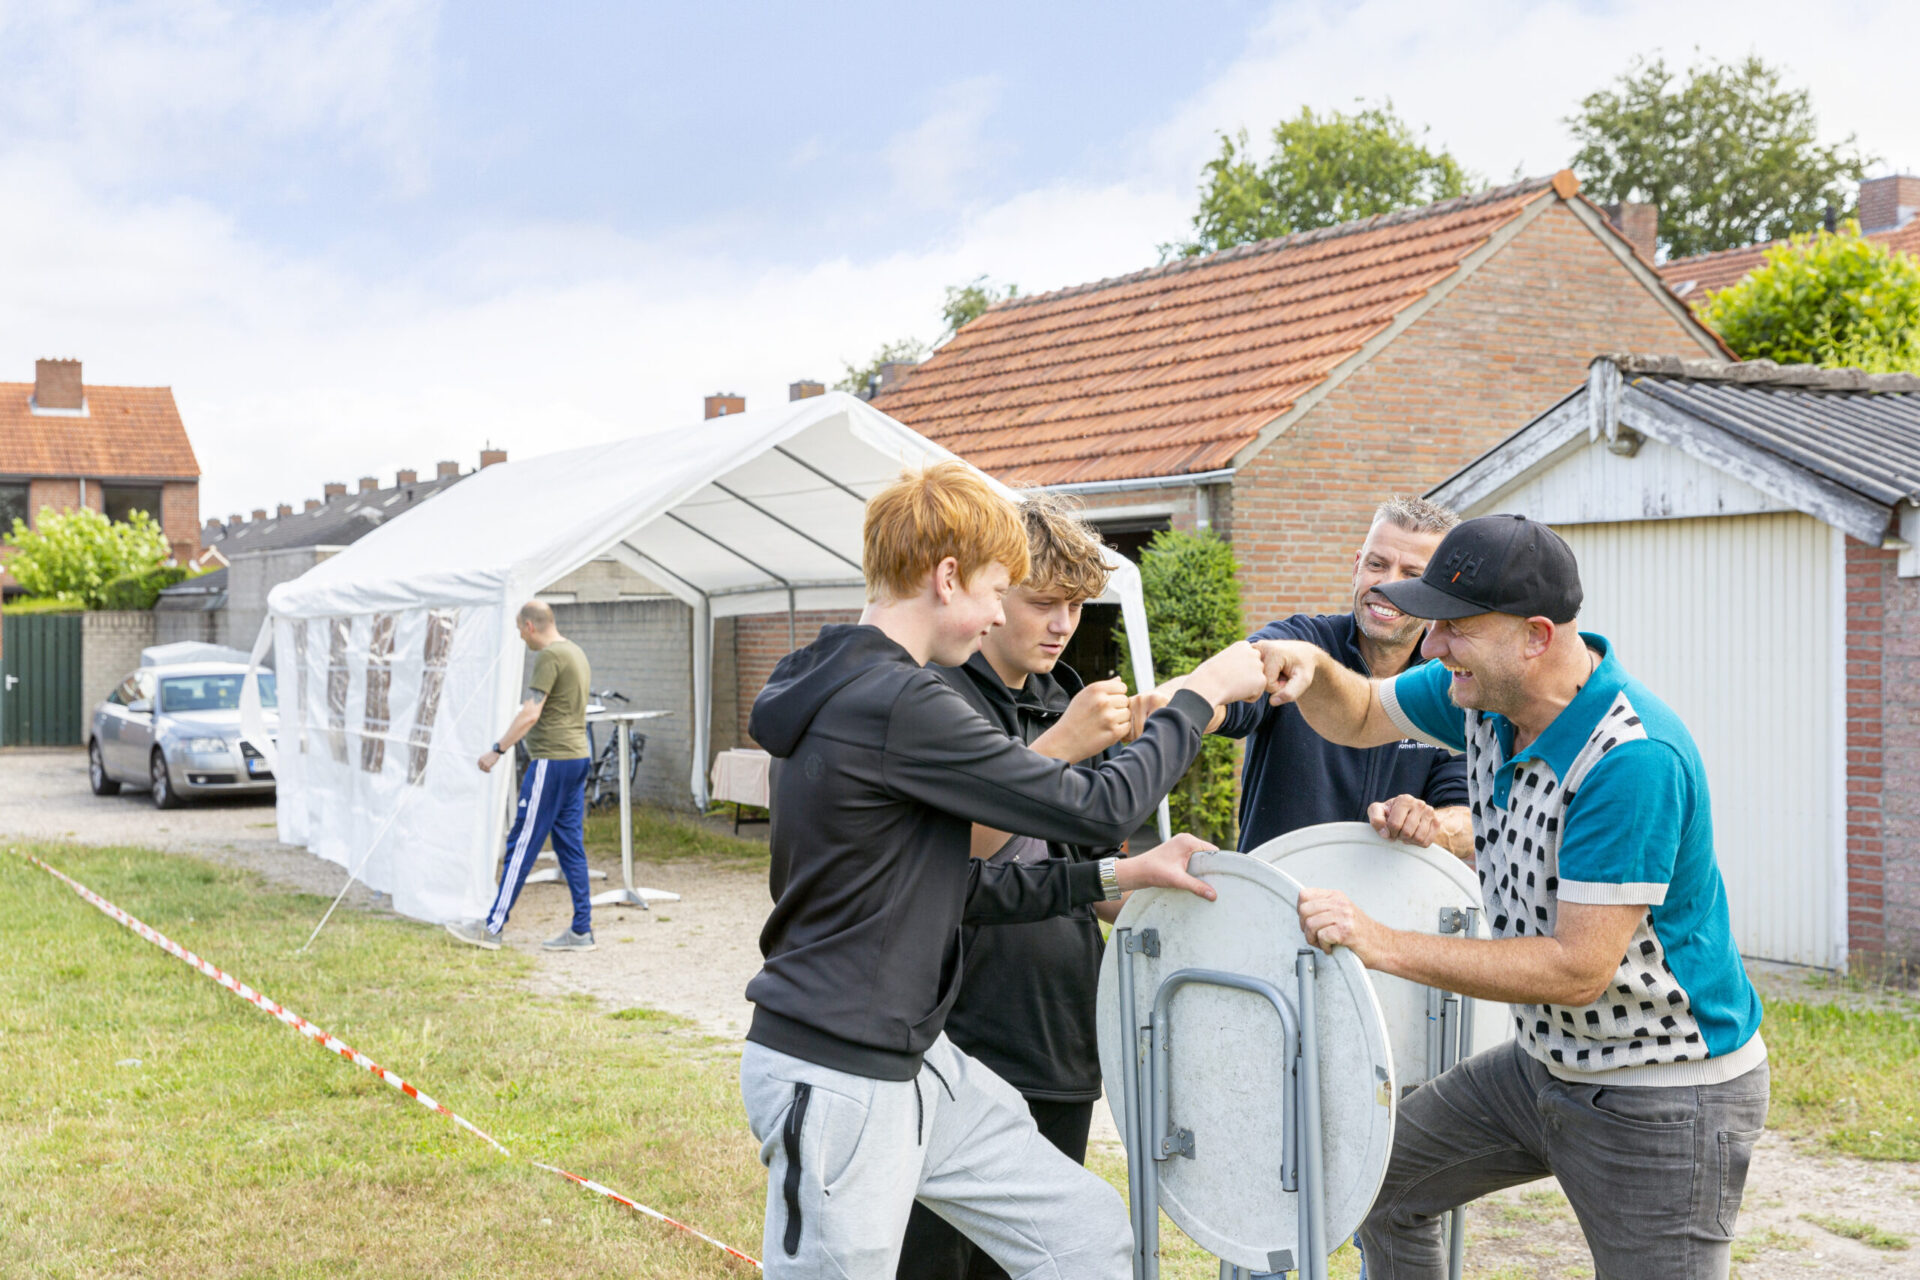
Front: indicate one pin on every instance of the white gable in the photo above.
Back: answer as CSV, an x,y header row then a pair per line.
x,y
1587,482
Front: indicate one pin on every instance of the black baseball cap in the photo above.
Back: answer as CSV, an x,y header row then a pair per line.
x,y
1494,564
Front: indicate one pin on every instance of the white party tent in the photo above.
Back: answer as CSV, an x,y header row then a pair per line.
x,y
398,661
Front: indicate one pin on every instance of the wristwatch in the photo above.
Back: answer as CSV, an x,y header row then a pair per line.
x,y
499,750
1110,879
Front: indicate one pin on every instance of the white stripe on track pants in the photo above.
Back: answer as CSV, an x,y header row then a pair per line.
x,y
958,1138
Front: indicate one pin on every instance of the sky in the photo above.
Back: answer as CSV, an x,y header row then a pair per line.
x,y
359,237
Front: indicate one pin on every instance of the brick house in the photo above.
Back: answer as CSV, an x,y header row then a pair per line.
x,y
1889,214
1275,392
1749,541
64,444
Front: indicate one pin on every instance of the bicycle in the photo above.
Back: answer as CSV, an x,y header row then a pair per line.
x,y
603,780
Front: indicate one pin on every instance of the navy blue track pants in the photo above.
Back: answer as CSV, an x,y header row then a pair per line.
x,y
553,801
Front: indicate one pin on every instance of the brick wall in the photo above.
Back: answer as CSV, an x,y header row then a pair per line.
x,y
760,641
1899,762
644,649
1869,573
1506,344
180,519
110,645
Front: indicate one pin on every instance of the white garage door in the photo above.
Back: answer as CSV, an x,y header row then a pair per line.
x,y
1730,621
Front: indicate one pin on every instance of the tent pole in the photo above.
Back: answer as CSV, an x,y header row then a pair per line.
x,y
793,634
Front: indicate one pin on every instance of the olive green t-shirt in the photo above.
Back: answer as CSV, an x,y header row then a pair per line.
x,y
560,671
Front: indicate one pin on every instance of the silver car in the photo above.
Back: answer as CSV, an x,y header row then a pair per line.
x,y
175,730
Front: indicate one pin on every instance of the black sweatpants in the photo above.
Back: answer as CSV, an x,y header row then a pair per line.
x,y
935,1251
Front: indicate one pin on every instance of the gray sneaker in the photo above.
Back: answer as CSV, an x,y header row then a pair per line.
x,y
571,941
476,934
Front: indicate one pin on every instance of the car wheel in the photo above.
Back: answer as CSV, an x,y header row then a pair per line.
x,y
164,796
97,772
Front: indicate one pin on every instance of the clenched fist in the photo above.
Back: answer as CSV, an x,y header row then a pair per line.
x,y
1405,818
1098,717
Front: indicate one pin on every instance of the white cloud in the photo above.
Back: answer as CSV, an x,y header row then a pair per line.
x,y
931,161
1494,78
158,89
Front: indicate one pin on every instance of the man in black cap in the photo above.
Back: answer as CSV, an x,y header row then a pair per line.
x,y
1638,1076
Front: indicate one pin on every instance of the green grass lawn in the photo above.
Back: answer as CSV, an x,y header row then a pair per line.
x,y
663,836
235,1147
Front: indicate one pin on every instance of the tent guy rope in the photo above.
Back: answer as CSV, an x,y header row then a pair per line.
x,y
333,1044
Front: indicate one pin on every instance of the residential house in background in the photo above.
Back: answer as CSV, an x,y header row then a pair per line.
x,y
1889,214
260,552
65,444
1277,391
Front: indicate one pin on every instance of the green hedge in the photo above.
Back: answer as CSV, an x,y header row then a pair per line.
x,y
28,604
1193,612
140,590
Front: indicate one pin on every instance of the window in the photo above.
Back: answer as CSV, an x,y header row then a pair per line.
x,y
13,506
210,693
123,500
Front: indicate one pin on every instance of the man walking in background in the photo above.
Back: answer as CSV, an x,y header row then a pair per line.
x,y
1026,1003
553,720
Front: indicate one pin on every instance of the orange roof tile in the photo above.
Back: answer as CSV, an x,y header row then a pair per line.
x,y
1695,279
1175,369
126,431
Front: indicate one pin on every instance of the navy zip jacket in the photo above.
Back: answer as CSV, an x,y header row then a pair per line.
x,y
1027,990
1295,778
880,769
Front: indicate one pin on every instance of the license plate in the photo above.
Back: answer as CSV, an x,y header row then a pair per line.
x,y
256,766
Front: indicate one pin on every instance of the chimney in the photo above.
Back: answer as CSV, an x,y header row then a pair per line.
x,y
333,489
369,483
447,471
282,511
491,455
56,385
805,390
234,521
892,374
259,513
1885,203
722,403
405,478
214,527
314,504
1637,223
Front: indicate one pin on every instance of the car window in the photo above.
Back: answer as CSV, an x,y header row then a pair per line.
x,y
179,694
123,693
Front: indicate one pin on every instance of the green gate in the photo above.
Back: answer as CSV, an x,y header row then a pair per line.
x,y
40,680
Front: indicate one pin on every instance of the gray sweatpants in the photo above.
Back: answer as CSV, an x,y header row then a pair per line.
x,y
1655,1175
847,1156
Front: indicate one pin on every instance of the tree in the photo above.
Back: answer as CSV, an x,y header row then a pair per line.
x,y
74,554
1193,611
859,377
968,302
1324,170
1834,300
1728,154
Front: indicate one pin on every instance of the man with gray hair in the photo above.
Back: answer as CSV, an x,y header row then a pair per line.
x,y
1295,778
553,801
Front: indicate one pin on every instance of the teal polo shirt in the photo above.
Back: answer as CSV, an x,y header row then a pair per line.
x,y
1608,805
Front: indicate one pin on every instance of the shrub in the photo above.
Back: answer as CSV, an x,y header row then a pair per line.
x,y
1193,612
73,555
141,590
1837,300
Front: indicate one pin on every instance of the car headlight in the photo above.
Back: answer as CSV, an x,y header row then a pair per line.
x,y
207,746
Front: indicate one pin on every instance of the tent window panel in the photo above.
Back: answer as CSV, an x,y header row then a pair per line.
x,y
433,678
338,633
373,743
300,679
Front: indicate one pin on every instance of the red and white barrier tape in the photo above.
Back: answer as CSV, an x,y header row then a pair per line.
x,y
334,1044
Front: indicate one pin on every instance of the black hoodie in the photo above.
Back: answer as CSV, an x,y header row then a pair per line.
x,y
880,769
